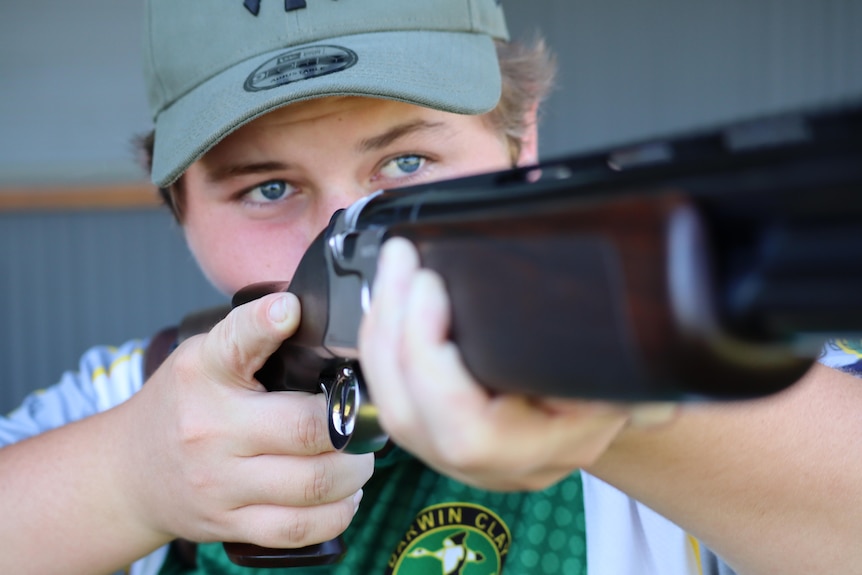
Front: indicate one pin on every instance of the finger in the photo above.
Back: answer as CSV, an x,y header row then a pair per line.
x,y
520,453
281,423
654,414
301,481
239,345
280,527
381,330
570,439
467,420
435,376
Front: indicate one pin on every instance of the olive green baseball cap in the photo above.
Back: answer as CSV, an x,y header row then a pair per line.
x,y
213,65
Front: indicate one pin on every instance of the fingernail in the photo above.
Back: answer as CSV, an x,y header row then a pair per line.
x,y
279,310
395,249
357,497
388,253
653,414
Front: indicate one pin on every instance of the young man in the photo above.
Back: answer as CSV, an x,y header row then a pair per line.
x,y
268,117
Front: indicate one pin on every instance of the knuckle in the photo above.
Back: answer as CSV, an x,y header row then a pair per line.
x,y
298,530
320,484
205,491
228,342
292,531
193,430
310,427
184,361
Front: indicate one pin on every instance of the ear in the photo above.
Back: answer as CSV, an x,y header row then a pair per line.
x,y
529,154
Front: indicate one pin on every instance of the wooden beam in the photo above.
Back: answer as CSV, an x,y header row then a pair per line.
x,y
101,196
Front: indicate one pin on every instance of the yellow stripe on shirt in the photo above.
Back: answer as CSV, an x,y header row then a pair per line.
x,y
695,547
101,371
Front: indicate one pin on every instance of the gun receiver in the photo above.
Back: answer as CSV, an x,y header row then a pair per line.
x,y
708,266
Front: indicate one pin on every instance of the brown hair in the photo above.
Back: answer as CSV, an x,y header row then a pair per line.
x,y
171,196
528,72
527,69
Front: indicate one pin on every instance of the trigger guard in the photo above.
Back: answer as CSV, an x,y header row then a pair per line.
x,y
353,422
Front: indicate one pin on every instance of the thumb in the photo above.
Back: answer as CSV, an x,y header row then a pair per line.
x,y
238,346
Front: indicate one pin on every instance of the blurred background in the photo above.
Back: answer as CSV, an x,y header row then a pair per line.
x,y
87,256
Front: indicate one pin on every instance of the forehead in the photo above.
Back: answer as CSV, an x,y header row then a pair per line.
x,y
343,120
352,110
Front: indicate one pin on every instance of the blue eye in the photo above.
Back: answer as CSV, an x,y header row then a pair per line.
x,y
272,190
409,164
402,166
269,191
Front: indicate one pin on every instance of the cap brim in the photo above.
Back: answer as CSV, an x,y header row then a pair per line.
x,y
450,71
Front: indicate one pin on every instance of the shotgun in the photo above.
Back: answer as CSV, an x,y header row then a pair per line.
x,y
708,266
703,266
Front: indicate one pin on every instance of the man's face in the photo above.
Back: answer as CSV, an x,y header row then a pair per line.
x,y
256,201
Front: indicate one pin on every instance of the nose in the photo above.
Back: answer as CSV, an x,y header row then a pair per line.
x,y
333,198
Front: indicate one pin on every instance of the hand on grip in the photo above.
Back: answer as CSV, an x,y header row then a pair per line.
x,y
239,464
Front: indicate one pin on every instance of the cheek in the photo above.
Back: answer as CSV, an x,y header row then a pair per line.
x,y
234,256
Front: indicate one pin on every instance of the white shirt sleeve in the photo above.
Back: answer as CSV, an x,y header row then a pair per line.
x,y
843,354
106,376
625,537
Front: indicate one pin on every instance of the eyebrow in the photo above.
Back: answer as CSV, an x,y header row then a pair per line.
x,y
395,133
224,172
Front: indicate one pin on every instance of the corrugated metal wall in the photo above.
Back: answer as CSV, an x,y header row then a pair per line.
x,y
629,69
72,280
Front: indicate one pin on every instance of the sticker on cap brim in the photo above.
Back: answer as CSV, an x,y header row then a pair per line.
x,y
300,64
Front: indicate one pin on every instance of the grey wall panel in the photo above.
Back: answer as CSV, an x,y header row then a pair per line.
x,y
631,69
628,69
72,280
71,90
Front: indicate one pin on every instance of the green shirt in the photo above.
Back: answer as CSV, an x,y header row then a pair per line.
x,y
412,520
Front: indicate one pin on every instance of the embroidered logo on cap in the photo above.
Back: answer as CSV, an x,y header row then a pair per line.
x,y
253,6
300,64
